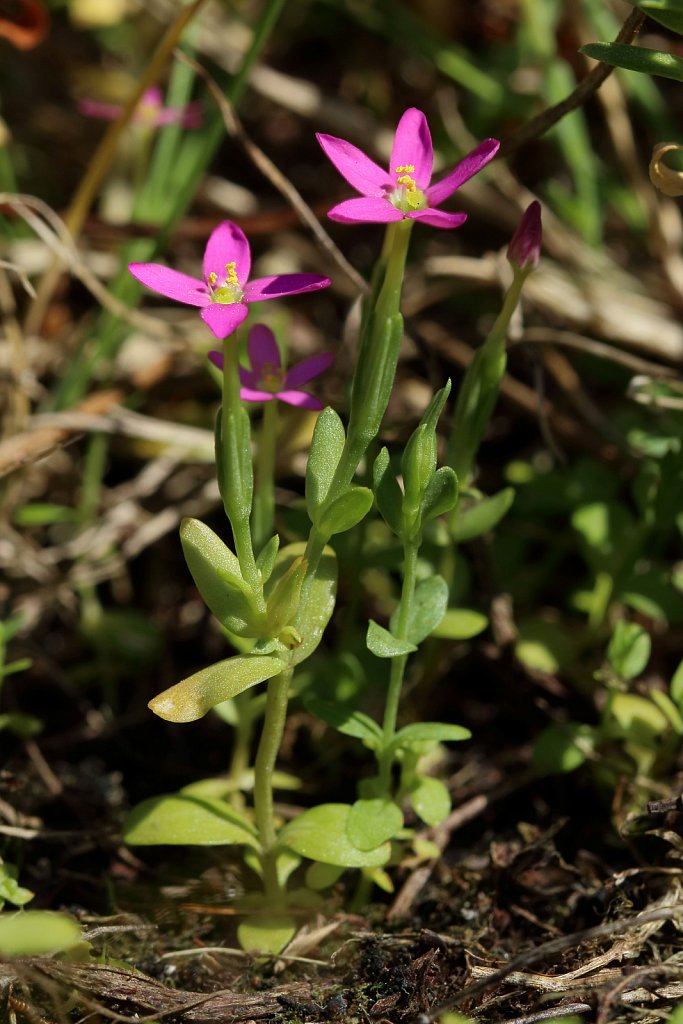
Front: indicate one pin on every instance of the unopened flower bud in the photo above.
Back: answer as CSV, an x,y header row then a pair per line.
x,y
524,250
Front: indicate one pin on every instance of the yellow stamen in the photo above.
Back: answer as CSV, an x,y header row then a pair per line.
x,y
213,277
407,182
231,274
404,169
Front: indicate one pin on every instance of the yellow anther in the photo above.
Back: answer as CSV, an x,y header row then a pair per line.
x,y
213,277
404,169
407,182
231,273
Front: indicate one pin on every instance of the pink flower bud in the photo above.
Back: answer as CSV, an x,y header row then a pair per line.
x,y
524,250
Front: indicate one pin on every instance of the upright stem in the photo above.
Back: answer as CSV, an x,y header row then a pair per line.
x,y
263,512
398,665
237,491
269,746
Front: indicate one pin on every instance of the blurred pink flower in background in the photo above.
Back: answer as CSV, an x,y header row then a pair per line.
x,y
150,111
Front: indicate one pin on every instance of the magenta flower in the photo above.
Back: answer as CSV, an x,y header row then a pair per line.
x,y
524,250
404,191
267,379
150,111
225,292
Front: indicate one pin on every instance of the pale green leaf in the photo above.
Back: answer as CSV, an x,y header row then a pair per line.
x,y
373,822
322,834
474,520
629,649
461,624
384,644
195,696
346,511
267,934
431,800
37,933
326,448
181,819
346,720
317,597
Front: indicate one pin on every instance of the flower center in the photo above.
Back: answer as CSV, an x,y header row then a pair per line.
x,y
271,378
407,197
226,290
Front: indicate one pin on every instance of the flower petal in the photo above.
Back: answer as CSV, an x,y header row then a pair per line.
x,y
467,167
217,359
438,218
224,319
227,244
248,379
307,369
413,146
365,210
105,111
262,348
171,283
359,170
278,285
300,398
252,395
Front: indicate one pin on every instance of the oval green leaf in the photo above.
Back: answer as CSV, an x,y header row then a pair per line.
x,y
636,58
475,520
322,834
346,511
37,933
373,822
193,697
431,800
326,448
181,819
266,935
384,644
461,624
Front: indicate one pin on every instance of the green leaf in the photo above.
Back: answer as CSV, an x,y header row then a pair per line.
x,y
384,644
563,748
418,463
346,720
636,58
44,514
388,494
475,520
216,571
676,688
317,598
37,933
429,732
428,609
346,510
282,600
267,556
431,800
195,696
461,624
10,890
441,494
373,822
629,649
668,708
181,819
666,12
544,645
326,449
322,876
636,719
21,724
322,834
267,934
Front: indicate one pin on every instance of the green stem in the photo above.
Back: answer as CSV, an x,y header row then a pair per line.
x,y
237,498
398,665
263,513
269,746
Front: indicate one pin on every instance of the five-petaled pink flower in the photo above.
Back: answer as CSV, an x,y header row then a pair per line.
x,y
150,111
404,191
224,294
267,379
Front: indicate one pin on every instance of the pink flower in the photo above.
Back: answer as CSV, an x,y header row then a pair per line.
x,y
524,250
404,191
150,111
267,379
224,293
